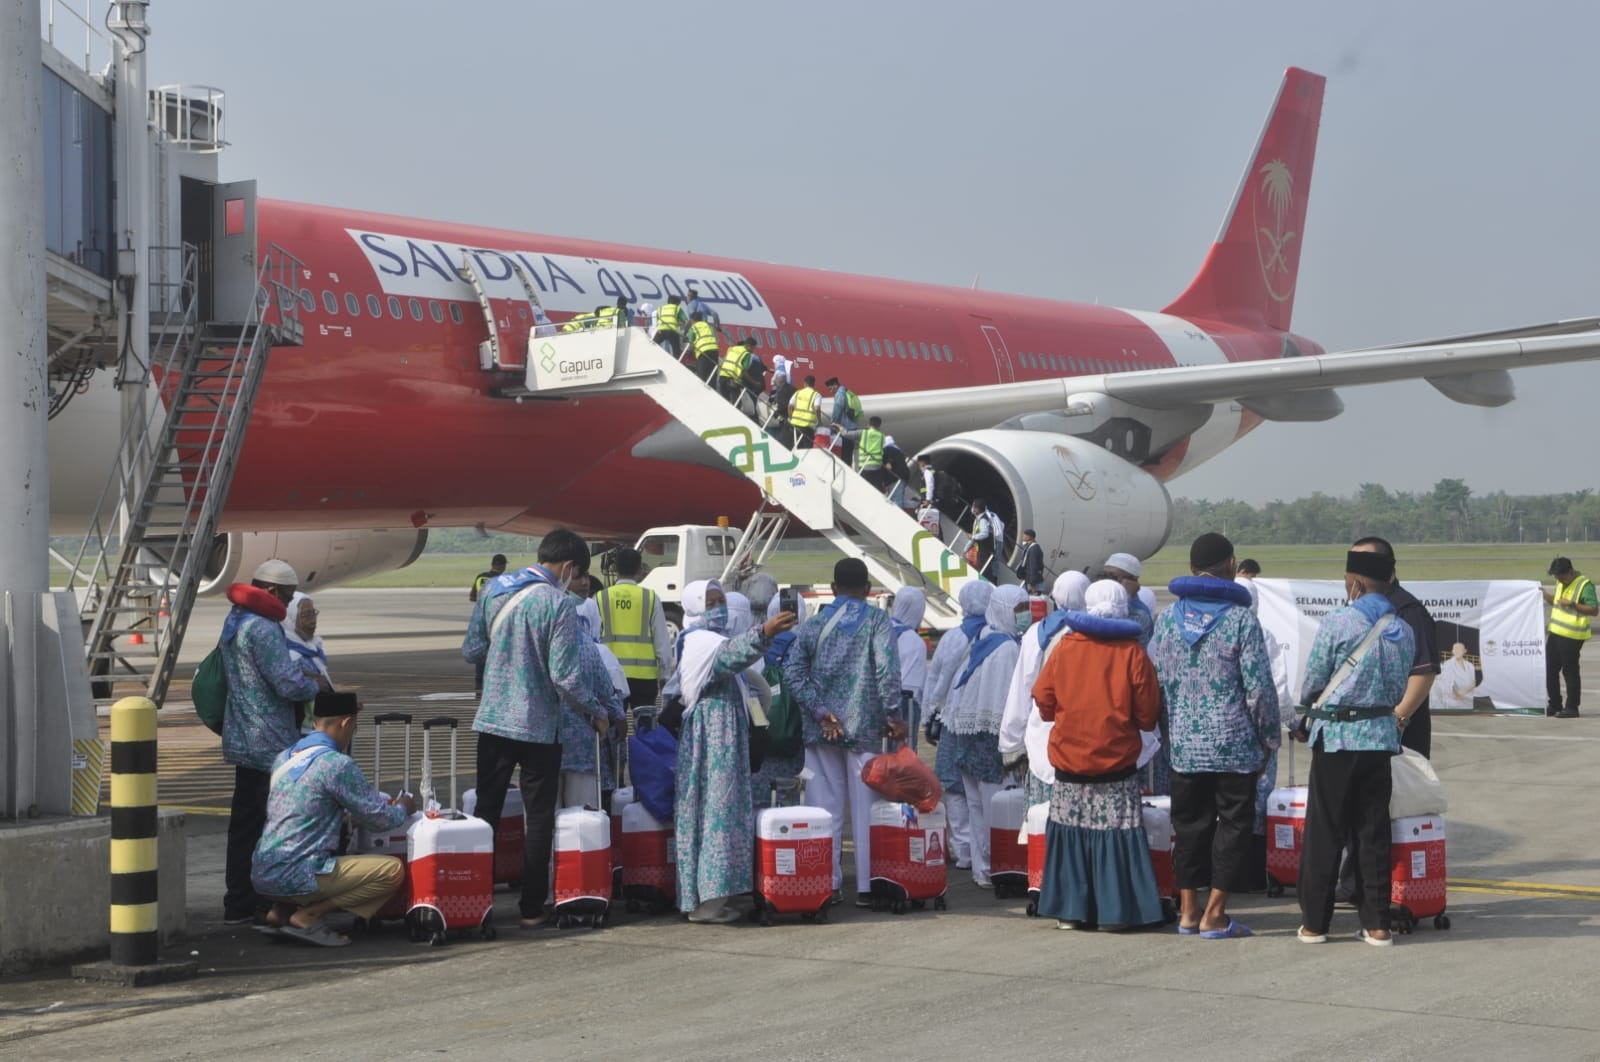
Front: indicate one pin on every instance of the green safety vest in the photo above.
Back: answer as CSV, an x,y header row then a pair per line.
x,y
704,338
579,323
670,318
608,317
627,627
1563,620
734,361
804,406
869,452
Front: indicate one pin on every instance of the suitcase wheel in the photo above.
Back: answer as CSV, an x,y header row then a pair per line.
x,y
1402,918
487,931
1441,921
1274,887
808,916
938,903
632,906
822,912
1033,908
919,905
436,939
900,907
1169,910
563,921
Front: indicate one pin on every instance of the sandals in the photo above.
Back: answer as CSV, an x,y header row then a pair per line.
x,y
1236,930
322,935
1305,936
1385,942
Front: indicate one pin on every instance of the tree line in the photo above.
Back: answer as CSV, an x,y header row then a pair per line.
x,y
1450,512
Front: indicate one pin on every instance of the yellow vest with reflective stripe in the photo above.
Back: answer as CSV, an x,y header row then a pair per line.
x,y
704,338
734,361
608,317
804,406
869,454
579,323
670,318
627,627
1563,620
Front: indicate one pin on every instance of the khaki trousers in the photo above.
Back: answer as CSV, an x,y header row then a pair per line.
x,y
358,884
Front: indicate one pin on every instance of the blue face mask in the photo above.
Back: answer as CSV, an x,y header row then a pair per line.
x,y
1024,621
716,619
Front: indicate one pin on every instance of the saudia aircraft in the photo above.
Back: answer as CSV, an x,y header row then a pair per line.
x,y
1068,418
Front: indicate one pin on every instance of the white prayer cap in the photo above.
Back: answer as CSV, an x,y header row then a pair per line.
x,y
276,572
1125,562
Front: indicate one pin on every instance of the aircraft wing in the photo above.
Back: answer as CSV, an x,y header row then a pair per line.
x,y
1473,370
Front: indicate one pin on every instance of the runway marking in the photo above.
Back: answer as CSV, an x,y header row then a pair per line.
x,y
1531,888
1514,737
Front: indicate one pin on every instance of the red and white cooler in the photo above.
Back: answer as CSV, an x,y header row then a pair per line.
x,y
1286,830
649,858
510,835
793,862
1038,820
1008,861
908,856
583,877
450,863
1416,872
1159,834
621,797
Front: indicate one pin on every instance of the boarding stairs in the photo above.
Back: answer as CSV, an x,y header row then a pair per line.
x,y
144,556
811,485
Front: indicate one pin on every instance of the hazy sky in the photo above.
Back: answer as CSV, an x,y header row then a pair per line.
x,y
1057,149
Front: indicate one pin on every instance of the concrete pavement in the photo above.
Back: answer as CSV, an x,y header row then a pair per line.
x,y
1513,978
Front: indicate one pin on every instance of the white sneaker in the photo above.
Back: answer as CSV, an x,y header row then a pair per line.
x,y
982,883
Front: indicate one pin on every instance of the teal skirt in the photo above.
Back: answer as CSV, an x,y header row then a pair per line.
x,y
1097,860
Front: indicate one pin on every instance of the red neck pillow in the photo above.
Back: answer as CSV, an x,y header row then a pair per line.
x,y
261,602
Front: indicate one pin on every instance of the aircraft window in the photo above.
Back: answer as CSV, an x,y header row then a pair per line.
x,y
925,352
877,351
352,305
900,347
850,343
826,347
330,303
799,341
914,355
660,551
838,344
784,336
394,307
308,301
374,306
772,338
811,341
455,312
416,308
1031,361
437,312
949,355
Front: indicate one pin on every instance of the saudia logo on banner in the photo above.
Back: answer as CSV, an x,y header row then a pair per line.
x,y
427,269
1489,637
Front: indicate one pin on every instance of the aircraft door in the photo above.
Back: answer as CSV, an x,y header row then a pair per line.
x,y
1004,373
233,260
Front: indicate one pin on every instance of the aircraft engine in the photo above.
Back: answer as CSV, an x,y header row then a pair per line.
x,y
1084,502
321,558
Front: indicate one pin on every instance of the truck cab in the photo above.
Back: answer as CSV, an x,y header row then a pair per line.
x,y
674,557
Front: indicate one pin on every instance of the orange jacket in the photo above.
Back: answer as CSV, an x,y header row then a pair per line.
x,y
1099,695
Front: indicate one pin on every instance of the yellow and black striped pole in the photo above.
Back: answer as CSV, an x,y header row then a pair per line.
x,y
134,935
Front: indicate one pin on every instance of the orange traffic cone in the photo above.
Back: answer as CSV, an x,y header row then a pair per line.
x,y
163,613
135,638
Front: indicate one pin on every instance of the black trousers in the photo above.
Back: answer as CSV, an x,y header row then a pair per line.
x,y
986,566
668,340
1348,799
1418,734
705,365
1561,662
1213,818
246,819
540,765
804,438
643,692
879,477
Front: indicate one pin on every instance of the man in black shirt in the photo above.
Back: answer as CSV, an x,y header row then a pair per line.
x,y
1032,563
1411,714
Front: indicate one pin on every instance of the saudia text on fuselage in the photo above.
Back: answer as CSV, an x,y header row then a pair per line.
x,y
415,267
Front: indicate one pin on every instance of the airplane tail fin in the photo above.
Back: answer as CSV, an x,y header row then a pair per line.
x,y
1250,273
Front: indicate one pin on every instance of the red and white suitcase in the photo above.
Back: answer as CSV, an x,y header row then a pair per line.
x,y
1008,861
388,842
450,859
1416,872
583,877
1159,834
908,856
1038,819
1286,830
510,835
793,861
649,857
621,797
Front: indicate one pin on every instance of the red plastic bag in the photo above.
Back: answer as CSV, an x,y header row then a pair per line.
x,y
903,778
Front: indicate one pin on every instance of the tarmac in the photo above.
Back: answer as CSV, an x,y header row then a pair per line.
x,y
1513,978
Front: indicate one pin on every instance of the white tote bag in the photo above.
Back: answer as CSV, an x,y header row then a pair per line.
x,y
1417,789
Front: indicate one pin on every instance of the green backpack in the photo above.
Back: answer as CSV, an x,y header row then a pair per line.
x,y
852,404
210,690
783,717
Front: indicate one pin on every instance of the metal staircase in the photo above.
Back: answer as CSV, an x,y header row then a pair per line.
x,y
811,485
144,556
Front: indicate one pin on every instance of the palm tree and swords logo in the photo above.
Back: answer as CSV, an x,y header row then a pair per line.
x,y
1278,259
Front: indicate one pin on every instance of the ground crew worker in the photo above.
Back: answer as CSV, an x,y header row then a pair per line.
x,y
869,453
581,322
730,372
703,338
846,415
670,321
497,568
805,410
1572,607
612,316
633,625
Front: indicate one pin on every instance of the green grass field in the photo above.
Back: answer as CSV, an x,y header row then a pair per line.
x,y
1417,563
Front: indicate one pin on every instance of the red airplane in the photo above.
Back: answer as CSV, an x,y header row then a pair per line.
x,y
1068,418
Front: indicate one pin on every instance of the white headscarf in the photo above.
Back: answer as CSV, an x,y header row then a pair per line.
x,y
951,652
910,605
740,618
694,602
979,706
1068,590
760,588
801,609
302,648
1106,598
974,597
1001,614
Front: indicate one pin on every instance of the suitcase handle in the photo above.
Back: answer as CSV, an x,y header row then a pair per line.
x,y
391,717
439,720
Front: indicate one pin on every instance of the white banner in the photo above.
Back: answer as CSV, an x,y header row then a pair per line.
x,y
1490,636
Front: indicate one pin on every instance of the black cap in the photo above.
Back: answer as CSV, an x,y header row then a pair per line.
x,y
1209,550
1561,566
332,704
1369,565
497,559
1030,532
